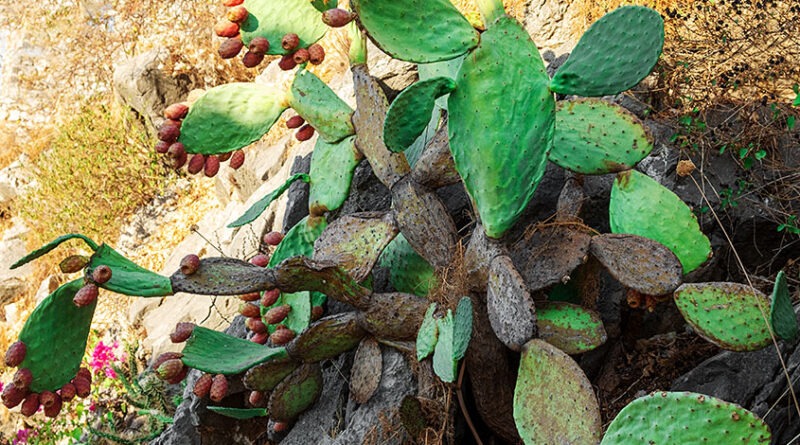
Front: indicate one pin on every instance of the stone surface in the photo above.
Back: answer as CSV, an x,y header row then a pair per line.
x,y
550,24
12,246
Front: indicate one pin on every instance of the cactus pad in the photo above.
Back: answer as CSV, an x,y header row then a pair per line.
x,y
782,316
393,316
410,112
327,338
730,315
296,393
444,364
554,402
549,254
569,327
239,413
420,31
127,277
300,273
47,248
673,417
641,206
210,351
259,206
510,306
614,54
408,272
231,116
594,137
332,167
638,263
316,102
365,375
266,376
223,276
428,333
273,19
501,124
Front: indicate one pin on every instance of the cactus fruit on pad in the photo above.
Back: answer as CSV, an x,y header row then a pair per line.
x,y
420,31
730,315
211,351
314,100
594,137
641,206
685,418
55,338
128,278
501,124
273,19
613,55
231,116
781,314
570,327
259,206
554,402
410,112
332,168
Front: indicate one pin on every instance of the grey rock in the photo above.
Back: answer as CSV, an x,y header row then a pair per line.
x,y
550,24
297,204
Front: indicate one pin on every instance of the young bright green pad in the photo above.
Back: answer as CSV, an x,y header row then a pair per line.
x,y
641,206
273,19
665,418
428,333
231,116
296,393
127,277
210,351
55,336
332,167
316,102
554,402
47,248
324,5
408,271
781,314
462,328
445,68
239,413
409,114
730,315
259,206
501,124
445,365
614,54
420,31
299,240
569,327
594,137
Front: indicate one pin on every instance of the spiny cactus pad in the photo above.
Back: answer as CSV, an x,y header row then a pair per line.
x,y
273,19
327,338
614,54
259,206
641,206
443,363
55,338
549,253
210,351
594,137
332,167
445,68
731,315
428,333
266,376
314,100
296,393
393,316
569,327
554,401
408,271
365,375
239,413
127,277
231,116
420,31
223,276
501,124
638,263
684,417
410,112
512,312
47,248
782,316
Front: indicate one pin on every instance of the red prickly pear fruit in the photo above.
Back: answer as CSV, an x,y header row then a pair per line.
x,y
30,405
226,28
53,407
237,14
86,295
164,357
300,56
295,122
73,263
287,63
82,387
189,264
290,41
252,296
13,396
170,369
273,238
277,314
230,3
259,45
176,111
211,166
224,156
162,146
183,331
101,274
176,150
47,398
15,354
219,388
249,310
260,260
179,378
230,47
256,325
304,133
270,297
180,161
84,373
260,338
251,59
316,54
202,386
317,312
281,336
237,159
169,132
174,122
255,398
280,427
337,17
196,164
68,392
23,378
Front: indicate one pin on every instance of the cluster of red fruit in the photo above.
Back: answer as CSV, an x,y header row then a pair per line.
x,y
304,132
89,292
18,391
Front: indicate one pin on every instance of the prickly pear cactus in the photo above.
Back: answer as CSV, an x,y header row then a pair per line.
x,y
273,19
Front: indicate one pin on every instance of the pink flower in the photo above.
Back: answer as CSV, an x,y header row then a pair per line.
x,y
103,356
23,435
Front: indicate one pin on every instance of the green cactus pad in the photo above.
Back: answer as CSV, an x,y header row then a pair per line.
x,y
354,242
444,364
259,206
210,351
127,277
428,333
55,337
420,31
781,314
265,376
300,273
638,263
685,417
554,402
614,54
410,112
641,206
316,102
47,248
408,271
327,338
501,124
299,316
462,327
730,315
273,19
445,68
365,375
595,137
239,413
569,327
231,116
296,393
332,167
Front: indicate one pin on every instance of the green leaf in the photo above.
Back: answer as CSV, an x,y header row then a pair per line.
x,y
47,248
210,351
782,316
316,102
259,206
127,277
